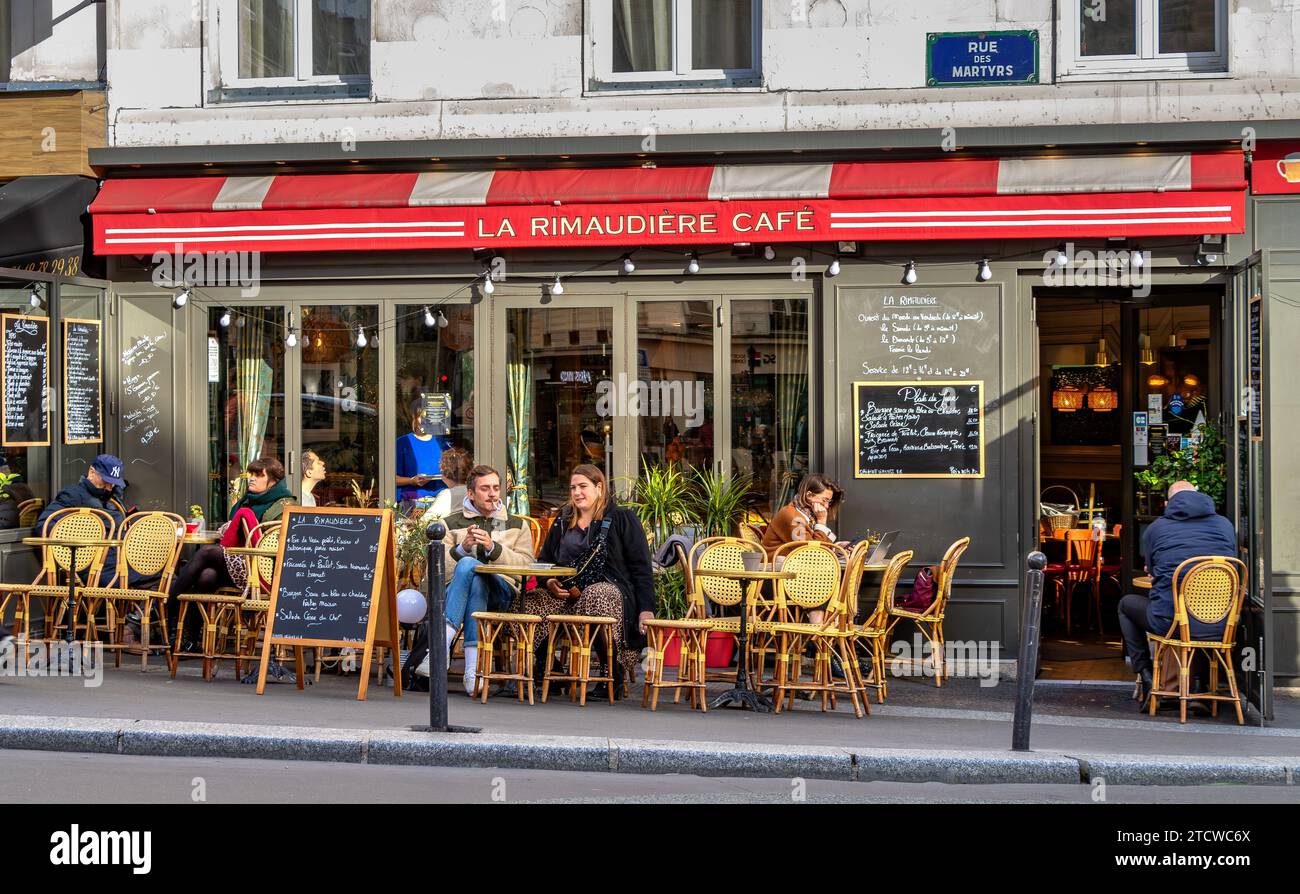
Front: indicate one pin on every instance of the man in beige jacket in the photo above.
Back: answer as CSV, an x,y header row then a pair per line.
x,y
480,532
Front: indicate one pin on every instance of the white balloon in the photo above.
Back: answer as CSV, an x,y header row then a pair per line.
x,y
411,606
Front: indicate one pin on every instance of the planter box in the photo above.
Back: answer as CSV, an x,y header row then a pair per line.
x,y
717,651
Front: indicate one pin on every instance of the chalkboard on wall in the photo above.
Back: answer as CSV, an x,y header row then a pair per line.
x,y
24,359
83,382
335,576
926,429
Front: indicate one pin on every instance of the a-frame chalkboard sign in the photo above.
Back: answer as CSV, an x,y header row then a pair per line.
x,y
335,585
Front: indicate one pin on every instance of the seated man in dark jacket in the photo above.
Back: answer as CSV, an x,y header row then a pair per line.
x,y
102,487
1188,528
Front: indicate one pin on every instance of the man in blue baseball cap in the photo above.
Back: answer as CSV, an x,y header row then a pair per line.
x,y
102,487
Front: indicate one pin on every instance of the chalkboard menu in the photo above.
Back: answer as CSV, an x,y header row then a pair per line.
x,y
1256,360
24,357
145,368
926,429
83,381
334,584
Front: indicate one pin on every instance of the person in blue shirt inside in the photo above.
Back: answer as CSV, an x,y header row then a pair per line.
x,y
419,455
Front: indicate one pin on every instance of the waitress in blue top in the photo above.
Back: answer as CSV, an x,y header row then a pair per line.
x,y
418,457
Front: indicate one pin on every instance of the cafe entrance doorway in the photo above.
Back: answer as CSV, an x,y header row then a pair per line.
x,y
1127,388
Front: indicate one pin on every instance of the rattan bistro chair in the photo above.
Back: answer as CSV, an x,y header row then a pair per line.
x,y
1208,589
151,545
51,584
871,633
711,596
818,576
930,621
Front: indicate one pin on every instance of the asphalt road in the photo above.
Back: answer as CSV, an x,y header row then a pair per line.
x,y
53,777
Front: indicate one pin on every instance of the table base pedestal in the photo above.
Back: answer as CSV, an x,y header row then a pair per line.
x,y
744,698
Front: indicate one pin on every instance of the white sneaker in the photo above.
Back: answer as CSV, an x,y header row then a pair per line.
x,y
471,682
422,669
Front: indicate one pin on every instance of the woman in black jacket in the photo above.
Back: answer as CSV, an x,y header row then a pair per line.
x,y
627,593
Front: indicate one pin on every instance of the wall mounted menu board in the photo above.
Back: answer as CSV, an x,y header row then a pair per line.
x,y
24,358
83,382
335,576
926,429
1256,360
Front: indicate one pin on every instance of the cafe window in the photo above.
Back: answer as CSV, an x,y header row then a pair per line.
x,y
27,466
435,374
1133,36
294,43
652,42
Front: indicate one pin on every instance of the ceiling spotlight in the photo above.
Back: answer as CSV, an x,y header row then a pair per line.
x,y
909,273
182,297
291,340
442,320
488,288
361,337
833,269
557,288
693,265
985,272
769,253
628,266
225,319
428,318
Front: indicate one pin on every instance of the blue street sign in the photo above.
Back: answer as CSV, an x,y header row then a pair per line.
x,y
981,57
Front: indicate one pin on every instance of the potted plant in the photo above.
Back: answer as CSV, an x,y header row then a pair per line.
x,y
1203,465
662,500
719,502
1148,483
196,518
670,605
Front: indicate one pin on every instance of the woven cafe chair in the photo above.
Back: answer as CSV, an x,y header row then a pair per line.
x,y
51,584
930,621
871,632
29,511
831,638
151,546
535,529
818,569
710,596
509,637
1208,589
571,640
691,670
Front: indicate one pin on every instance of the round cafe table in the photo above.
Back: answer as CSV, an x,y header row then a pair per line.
x,y
201,538
1142,583
527,570
72,545
742,694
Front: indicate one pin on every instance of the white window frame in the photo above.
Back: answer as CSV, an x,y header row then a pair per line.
x,y
601,40
1147,61
228,42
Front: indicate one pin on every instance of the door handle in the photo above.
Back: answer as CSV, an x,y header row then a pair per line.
x,y
290,470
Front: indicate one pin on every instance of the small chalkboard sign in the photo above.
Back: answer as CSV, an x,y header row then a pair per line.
x,y
1256,359
437,413
335,585
24,360
923,429
83,382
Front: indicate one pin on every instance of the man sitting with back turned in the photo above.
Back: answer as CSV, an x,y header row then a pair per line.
x,y
1189,527
480,531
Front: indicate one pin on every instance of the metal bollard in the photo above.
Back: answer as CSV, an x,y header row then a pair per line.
x,y
437,629
1029,637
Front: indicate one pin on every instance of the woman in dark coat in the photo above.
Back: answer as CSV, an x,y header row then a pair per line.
x,y
627,593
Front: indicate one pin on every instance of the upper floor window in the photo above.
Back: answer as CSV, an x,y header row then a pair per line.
x,y
1157,36
290,43
674,41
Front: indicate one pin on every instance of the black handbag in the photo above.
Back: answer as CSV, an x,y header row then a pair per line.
x,y
591,570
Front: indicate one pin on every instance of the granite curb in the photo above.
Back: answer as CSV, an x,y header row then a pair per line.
x,y
637,756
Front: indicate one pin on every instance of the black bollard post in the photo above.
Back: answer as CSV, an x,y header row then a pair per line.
x,y
437,630
1027,668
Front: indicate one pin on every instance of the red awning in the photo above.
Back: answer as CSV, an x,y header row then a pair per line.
x,y
1047,197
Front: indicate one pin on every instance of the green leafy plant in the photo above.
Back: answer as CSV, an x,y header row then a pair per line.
x,y
718,502
1204,465
196,511
6,479
670,594
662,500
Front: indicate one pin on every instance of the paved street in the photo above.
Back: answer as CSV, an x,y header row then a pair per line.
x,y
44,777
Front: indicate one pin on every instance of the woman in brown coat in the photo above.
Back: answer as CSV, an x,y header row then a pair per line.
x,y
807,516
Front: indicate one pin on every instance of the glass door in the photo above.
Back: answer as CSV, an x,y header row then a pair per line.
x,y
1248,462
672,390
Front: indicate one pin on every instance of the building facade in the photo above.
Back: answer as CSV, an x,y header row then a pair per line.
x,y
816,235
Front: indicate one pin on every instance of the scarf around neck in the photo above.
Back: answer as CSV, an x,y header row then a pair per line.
x,y
259,503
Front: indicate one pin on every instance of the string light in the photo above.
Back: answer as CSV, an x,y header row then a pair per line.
x,y
693,265
443,322
291,340
361,337
769,253
558,287
909,273
182,297
985,272
428,317
35,299
1135,259
1061,257
834,268
628,266
488,288
225,319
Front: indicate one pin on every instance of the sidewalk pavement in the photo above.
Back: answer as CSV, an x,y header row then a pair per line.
x,y
958,733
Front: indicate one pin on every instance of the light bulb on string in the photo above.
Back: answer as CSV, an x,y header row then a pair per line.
x,y
693,265
909,273
769,253
1061,257
628,266
291,340
361,337
1135,259
182,297
985,272
225,319
35,299
428,318
558,287
833,269
443,322
488,288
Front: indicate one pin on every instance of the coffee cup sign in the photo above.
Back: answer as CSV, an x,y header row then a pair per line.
x,y
1289,167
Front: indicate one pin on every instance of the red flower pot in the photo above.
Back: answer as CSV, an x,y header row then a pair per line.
x,y
673,651
717,651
